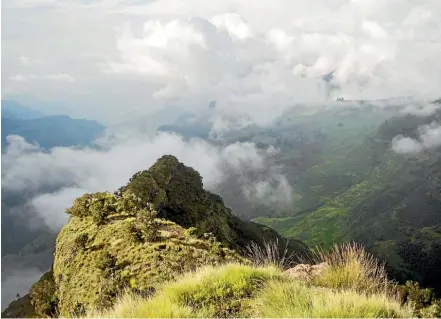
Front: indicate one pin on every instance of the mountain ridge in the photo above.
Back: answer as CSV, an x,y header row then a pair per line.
x,y
163,216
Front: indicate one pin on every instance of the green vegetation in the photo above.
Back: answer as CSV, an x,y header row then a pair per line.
x,y
294,300
20,308
162,246
350,267
43,296
126,248
235,290
387,201
177,193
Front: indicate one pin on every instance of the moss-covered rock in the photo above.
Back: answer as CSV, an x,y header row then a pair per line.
x,y
129,248
177,193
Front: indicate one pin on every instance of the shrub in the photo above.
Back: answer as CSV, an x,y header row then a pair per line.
x,y
128,203
97,211
81,240
80,206
106,261
145,216
146,232
421,300
43,296
109,290
190,232
135,233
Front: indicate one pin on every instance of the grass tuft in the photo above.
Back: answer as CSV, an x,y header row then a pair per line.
x,y
290,299
351,267
271,254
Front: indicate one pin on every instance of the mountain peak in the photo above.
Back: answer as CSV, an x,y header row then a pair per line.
x,y
176,192
161,223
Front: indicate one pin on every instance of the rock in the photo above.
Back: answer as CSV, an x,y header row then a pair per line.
x,y
306,271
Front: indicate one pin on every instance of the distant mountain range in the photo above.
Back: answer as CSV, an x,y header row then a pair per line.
x,y
15,111
46,130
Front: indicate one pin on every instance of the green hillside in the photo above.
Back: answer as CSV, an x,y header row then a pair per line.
x,y
390,202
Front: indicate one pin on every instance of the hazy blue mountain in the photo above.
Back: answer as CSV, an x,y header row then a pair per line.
x,y
52,131
15,110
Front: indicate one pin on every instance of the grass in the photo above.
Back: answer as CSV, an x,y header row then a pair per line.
x,y
271,254
353,285
351,267
208,292
142,266
292,299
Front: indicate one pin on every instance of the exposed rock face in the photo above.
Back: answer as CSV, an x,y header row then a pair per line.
x,y
306,271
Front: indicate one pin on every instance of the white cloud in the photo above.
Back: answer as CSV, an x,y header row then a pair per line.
x,y
24,60
425,109
72,172
59,77
254,59
429,136
275,190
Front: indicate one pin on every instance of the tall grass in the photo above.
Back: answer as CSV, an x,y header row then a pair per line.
x,y
208,292
293,299
354,284
271,253
349,266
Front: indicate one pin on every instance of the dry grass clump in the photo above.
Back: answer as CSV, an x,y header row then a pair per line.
x,y
271,253
351,267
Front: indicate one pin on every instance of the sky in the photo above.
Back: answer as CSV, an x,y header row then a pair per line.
x,y
110,59
126,61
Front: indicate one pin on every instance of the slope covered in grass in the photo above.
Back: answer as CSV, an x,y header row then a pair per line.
x,y
353,285
244,291
391,205
96,256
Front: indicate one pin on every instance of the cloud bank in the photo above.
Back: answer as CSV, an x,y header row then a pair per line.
x,y
429,136
254,60
67,173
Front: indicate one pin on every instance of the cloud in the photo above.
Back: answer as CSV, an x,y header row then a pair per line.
x,y
422,110
59,77
24,60
66,173
429,136
274,190
253,60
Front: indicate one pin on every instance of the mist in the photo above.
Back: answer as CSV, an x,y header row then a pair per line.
x,y
27,168
429,137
